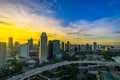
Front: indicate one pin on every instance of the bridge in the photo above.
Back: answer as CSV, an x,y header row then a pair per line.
x,y
51,66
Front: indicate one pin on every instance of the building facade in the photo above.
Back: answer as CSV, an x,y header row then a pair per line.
x,y
30,43
10,45
43,48
56,47
94,46
50,50
2,53
62,46
24,51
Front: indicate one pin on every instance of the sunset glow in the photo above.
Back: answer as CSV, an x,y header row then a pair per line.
x,y
25,19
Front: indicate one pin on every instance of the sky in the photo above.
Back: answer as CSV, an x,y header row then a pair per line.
x,y
77,21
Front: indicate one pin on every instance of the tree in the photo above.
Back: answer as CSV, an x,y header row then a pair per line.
x,y
12,67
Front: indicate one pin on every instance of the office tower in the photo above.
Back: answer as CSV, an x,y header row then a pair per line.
x,y
56,47
94,46
68,46
65,47
10,45
50,50
90,48
43,48
17,46
62,46
79,48
2,53
24,50
30,43
87,47
75,49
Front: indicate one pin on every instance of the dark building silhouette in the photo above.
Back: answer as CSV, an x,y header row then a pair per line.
x,y
79,48
94,46
50,50
17,47
68,46
30,44
62,46
56,47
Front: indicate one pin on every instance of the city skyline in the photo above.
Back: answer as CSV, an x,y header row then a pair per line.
x,y
79,22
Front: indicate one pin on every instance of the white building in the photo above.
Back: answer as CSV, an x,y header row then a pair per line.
x,y
2,53
43,51
24,51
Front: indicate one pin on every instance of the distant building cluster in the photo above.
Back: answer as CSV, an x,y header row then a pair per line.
x,y
46,50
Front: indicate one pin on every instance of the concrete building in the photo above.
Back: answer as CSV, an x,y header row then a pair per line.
x,y
94,46
10,45
30,43
56,47
50,50
65,47
68,46
2,53
88,48
17,47
79,48
62,46
43,48
24,51
33,54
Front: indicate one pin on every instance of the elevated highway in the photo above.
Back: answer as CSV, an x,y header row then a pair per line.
x,y
51,66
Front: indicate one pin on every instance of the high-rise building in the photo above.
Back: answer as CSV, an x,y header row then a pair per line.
x,y
50,50
24,50
17,46
68,46
30,43
94,46
10,45
87,47
56,47
79,48
2,53
65,47
43,48
62,46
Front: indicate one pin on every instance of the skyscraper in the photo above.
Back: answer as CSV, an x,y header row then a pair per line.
x,y
16,47
62,46
30,43
10,45
43,48
94,46
87,47
50,50
2,53
79,48
56,47
68,46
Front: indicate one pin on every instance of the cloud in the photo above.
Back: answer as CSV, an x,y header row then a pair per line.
x,y
5,23
101,27
89,35
116,32
37,16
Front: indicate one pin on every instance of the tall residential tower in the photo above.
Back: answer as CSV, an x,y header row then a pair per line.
x,y
2,53
10,45
43,47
